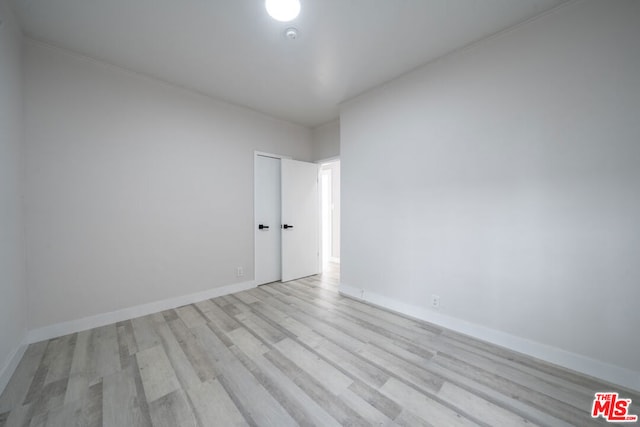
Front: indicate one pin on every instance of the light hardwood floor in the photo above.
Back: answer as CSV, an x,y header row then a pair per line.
x,y
288,354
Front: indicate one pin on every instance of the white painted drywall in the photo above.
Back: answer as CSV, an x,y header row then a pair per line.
x,y
137,191
326,141
13,290
506,179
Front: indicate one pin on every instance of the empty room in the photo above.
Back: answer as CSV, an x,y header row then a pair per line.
x,y
319,212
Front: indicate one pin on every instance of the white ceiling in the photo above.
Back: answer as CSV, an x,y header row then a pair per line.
x,y
232,50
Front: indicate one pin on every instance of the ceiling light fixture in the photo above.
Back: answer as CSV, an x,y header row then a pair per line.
x,y
283,10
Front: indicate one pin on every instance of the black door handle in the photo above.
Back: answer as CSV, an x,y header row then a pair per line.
x,y
263,227
287,226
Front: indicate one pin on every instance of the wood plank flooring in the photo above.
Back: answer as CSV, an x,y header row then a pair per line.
x,y
288,354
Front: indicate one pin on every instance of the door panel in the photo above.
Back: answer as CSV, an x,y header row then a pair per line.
x,y
300,209
267,214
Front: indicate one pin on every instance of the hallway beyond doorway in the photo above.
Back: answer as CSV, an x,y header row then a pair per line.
x,y
330,211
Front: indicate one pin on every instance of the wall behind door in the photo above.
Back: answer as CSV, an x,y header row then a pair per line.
x,y
326,141
137,191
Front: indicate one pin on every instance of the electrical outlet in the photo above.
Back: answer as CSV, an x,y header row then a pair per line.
x,y
435,301
239,272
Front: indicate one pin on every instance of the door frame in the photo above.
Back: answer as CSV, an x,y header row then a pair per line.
x,y
321,188
255,232
320,163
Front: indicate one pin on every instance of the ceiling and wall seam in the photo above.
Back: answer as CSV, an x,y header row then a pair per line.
x,y
345,48
149,77
468,47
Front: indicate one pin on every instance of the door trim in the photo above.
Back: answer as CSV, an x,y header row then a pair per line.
x,y
321,251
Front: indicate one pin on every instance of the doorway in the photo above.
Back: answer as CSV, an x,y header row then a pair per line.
x,y
286,221
330,213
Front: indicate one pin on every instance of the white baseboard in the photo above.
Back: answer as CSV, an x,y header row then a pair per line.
x,y
103,319
12,363
576,362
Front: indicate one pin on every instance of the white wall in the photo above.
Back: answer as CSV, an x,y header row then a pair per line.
x,y
13,291
326,141
506,180
137,191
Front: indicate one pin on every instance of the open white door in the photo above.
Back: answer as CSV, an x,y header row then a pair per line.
x,y
300,219
267,217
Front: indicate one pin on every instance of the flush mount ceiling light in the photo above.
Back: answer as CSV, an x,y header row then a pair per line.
x,y
283,10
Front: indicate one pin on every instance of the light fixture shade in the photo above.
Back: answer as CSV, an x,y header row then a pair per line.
x,y
283,10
